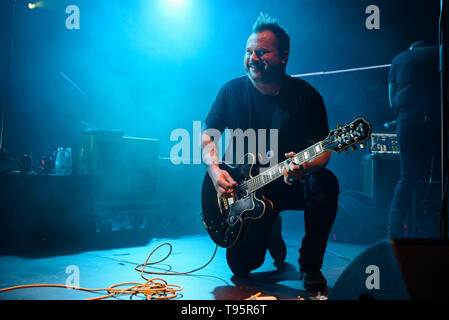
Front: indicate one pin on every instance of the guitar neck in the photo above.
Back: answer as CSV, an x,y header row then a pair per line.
x,y
271,174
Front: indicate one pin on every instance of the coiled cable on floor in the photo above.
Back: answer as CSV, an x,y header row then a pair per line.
x,y
152,289
143,265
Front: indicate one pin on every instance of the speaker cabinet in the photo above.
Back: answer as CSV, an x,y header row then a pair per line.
x,y
381,172
399,269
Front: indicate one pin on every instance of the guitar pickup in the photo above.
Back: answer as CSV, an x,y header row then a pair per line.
x,y
222,204
225,203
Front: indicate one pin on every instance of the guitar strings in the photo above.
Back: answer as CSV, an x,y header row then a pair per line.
x,y
244,185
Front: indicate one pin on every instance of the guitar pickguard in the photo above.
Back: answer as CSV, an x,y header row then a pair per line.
x,y
237,209
247,208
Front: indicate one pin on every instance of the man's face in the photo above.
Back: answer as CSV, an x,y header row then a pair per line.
x,y
263,62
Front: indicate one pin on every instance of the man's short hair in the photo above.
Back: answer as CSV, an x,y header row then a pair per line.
x,y
265,22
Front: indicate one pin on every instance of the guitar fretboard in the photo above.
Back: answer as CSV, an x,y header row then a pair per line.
x,y
276,171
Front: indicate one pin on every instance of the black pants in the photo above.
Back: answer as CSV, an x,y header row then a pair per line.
x,y
317,196
419,143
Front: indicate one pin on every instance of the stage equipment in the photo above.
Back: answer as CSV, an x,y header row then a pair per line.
x,y
443,33
394,269
125,172
384,143
381,172
8,76
111,153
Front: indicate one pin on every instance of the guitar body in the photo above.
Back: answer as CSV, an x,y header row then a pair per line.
x,y
225,218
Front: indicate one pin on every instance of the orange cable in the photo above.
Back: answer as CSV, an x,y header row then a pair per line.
x,y
155,288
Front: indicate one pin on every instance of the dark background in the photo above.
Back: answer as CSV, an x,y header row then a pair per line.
x,y
149,67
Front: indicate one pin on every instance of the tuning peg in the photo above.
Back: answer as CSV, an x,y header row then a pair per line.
x,y
362,145
354,148
339,126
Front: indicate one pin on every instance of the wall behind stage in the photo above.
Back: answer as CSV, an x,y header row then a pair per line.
x,y
149,67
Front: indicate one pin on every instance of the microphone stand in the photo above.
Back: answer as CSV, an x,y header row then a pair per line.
x,y
3,155
442,30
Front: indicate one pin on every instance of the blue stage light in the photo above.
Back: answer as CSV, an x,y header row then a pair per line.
x,y
175,2
175,8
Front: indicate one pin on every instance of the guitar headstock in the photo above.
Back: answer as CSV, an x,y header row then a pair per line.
x,y
356,132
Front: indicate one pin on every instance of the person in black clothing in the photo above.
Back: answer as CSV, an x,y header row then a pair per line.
x,y
414,97
267,98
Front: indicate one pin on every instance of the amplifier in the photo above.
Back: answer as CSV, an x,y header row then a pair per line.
x,y
125,168
381,172
384,143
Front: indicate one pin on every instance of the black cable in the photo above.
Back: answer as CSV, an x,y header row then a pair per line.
x,y
327,250
443,228
143,265
338,255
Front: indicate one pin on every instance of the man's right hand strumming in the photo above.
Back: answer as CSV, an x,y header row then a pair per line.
x,y
222,180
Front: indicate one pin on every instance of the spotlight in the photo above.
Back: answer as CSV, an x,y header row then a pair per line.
x,y
175,2
175,8
34,5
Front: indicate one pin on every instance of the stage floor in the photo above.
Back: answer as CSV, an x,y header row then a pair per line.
x,y
104,268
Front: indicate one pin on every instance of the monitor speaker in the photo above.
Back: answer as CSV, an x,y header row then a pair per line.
x,y
396,269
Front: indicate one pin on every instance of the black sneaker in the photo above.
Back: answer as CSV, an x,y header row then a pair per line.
x,y
314,281
276,244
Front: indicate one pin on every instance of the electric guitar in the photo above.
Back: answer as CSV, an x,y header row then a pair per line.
x,y
224,218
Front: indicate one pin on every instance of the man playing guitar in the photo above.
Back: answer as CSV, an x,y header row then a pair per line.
x,y
253,101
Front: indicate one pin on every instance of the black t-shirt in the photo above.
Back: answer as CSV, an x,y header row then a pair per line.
x,y
415,73
298,113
